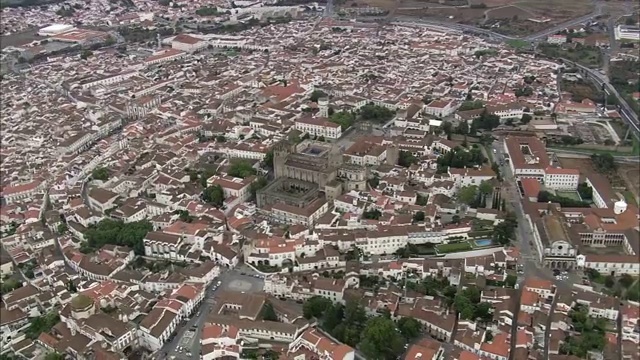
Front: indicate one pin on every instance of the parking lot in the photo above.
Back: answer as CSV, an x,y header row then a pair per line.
x,y
242,279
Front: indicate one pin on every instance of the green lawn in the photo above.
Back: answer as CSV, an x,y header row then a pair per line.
x,y
517,43
453,247
569,195
628,196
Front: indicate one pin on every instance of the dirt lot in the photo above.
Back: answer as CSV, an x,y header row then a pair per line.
x,y
460,15
629,173
509,12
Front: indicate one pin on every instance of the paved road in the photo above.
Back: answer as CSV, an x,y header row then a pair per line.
x,y
530,259
188,334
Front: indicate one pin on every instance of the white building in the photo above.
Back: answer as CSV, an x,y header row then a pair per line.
x,y
319,127
557,39
625,32
55,29
188,43
440,108
561,179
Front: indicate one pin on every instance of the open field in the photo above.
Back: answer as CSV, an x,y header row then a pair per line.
x,y
511,14
453,247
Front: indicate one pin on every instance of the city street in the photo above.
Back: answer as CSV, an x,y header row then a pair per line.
x,y
186,342
524,232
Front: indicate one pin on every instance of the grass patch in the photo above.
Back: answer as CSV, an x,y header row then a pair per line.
x,y
453,247
569,194
518,44
628,196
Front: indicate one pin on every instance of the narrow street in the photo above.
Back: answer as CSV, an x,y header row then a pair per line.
x,y
187,337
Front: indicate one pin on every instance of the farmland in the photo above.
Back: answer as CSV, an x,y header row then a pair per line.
x,y
506,16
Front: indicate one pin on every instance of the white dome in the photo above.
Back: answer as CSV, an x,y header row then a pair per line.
x,y
619,207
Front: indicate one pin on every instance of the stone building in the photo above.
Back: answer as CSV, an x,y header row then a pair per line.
x,y
310,170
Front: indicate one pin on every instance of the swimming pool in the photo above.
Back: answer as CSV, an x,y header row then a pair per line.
x,y
483,242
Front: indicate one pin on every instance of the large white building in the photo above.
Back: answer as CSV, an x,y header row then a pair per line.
x,y
625,32
319,127
440,108
527,157
561,179
55,29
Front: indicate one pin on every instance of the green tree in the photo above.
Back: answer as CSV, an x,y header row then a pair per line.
x,y
221,138
268,313
9,285
315,307
468,194
485,187
241,169
268,159
471,105
86,54
260,183
207,11
317,94
511,280
375,113
505,231
332,317
525,118
54,356
184,216
626,280
381,339
418,217
40,324
604,163
406,159
116,232
100,173
62,228
214,195
609,281
374,181
193,175
409,327
343,118
374,214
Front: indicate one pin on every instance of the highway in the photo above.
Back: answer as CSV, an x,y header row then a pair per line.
x,y
627,113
